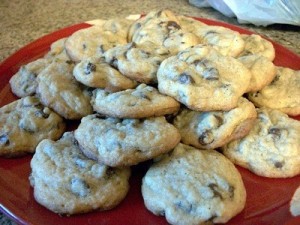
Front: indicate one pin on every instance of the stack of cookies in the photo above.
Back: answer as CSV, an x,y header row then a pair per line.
x,y
165,88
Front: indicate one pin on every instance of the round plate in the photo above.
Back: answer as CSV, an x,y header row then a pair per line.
x,y
267,199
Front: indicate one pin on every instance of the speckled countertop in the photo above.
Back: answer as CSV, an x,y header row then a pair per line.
x,y
24,21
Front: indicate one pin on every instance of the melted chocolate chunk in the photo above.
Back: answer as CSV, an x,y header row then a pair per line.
x,y
132,45
275,131
185,79
219,119
206,138
100,116
70,62
201,62
114,62
90,67
173,25
278,164
41,114
214,188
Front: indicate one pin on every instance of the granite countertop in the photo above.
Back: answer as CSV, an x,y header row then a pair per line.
x,y
24,21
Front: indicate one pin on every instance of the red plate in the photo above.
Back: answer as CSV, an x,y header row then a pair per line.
x,y
267,199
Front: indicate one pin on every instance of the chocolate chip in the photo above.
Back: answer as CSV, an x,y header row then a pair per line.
x,y
138,25
70,62
132,45
211,74
276,78
184,78
41,114
214,188
275,131
114,62
278,164
100,116
90,67
206,138
231,192
101,49
84,46
219,119
173,25
4,140
245,53
210,32
158,14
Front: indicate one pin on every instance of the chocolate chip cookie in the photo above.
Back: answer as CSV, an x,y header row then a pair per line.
x,y
24,123
66,182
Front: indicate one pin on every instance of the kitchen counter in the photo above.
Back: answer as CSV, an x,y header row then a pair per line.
x,y
22,22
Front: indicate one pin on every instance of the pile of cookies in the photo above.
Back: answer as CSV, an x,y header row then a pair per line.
x,y
165,88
